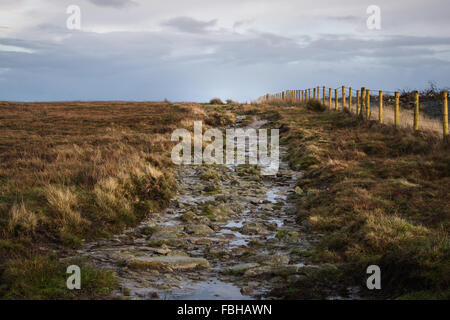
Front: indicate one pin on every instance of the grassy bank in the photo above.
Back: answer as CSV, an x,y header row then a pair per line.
x,y
373,195
76,171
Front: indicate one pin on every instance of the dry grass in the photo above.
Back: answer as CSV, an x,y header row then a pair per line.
x,y
75,171
406,118
376,194
78,163
64,203
21,219
45,278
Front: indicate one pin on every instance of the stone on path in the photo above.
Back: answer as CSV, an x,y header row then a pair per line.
x,y
167,263
199,230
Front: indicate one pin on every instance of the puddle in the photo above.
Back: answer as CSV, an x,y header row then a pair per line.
x,y
170,223
238,243
212,289
234,233
273,195
298,265
278,222
234,224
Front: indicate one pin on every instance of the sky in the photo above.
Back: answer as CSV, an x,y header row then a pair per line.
x,y
194,50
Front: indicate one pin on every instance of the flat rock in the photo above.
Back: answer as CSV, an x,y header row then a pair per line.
x,y
293,269
166,232
167,263
241,268
199,230
257,272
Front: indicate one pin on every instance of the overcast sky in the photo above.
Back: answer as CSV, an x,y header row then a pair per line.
x,y
193,50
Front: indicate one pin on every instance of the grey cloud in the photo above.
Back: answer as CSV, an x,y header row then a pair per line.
x,y
190,25
155,65
345,18
241,23
113,3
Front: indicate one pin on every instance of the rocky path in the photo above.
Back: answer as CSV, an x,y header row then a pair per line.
x,y
230,233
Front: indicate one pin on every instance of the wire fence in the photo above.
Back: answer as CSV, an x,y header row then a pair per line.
x,y
427,111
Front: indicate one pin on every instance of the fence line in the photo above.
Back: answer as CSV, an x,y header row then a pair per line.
x,y
388,107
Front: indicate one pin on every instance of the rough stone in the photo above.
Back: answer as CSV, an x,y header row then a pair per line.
x,y
166,232
242,268
199,230
167,263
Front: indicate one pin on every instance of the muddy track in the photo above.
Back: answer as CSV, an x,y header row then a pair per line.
x,y
230,233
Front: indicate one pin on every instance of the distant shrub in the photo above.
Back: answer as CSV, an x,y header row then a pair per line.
x,y
316,106
215,101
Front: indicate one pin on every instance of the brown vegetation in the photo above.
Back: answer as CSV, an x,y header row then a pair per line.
x,y
67,167
376,195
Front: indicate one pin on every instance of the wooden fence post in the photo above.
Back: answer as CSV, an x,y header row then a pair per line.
x,y
282,95
380,110
357,103
367,104
323,98
363,101
445,115
329,97
416,111
350,99
343,97
309,94
318,93
397,107
335,99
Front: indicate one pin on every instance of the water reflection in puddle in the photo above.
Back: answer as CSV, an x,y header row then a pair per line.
x,y
235,224
238,243
273,196
212,289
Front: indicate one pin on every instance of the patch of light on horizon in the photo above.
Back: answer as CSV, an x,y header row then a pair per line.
x,y
9,48
102,29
